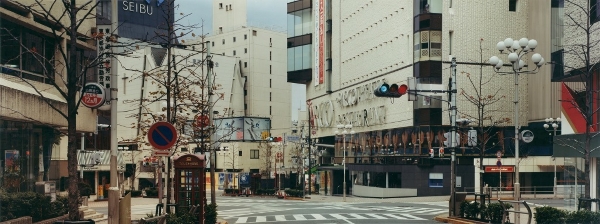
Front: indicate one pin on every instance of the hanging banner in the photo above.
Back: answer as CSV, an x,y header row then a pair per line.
x,y
319,65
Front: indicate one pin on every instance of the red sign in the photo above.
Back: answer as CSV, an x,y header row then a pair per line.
x,y
93,95
496,169
321,41
202,121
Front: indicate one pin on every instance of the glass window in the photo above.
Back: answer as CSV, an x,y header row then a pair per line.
x,y
512,5
290,25
306,56
290,59
254,154
298,58
427,6
436,180
298,23
306,21
594,11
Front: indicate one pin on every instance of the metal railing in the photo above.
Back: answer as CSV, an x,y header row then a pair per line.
x,y
506,210
562,191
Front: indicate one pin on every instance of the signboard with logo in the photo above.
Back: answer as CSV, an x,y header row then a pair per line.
x,y
141,19
498,169
93,95
241,128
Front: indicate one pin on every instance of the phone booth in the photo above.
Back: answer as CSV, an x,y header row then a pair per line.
x,y
190,185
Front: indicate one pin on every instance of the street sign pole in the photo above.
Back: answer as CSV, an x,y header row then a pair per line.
x,y
453,137
113,191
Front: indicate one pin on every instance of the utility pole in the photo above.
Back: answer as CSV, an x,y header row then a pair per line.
x,y
113,191
209,73
309,152
453,136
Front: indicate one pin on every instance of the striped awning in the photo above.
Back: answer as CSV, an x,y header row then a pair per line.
x,y
85,157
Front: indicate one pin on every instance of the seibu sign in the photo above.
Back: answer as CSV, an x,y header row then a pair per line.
x,y
496,169
143,7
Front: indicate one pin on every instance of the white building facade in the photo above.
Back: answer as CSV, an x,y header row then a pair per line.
x,y
344,50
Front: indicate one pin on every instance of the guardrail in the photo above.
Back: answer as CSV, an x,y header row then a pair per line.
x,y
505,212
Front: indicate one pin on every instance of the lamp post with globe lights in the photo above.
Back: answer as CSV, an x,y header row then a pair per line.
x,y
552,125
345,129
516,51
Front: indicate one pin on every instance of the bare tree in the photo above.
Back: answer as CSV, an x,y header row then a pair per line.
x,y
486,120
266,155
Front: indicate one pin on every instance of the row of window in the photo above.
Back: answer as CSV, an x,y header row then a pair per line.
x,y
245,38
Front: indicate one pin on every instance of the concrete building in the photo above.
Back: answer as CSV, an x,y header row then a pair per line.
x,y
343,51
31,107
262,60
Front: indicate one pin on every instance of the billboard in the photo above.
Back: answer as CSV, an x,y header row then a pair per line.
x,y
241,128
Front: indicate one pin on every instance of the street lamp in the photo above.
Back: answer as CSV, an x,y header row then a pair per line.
x,y
345,129
516,50
553,123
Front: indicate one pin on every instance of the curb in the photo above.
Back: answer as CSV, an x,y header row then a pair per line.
x,y
455,220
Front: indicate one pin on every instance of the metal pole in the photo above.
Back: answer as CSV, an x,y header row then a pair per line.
x,y
113,191
82,148
517,183
555,183
453,136
344,163
309,154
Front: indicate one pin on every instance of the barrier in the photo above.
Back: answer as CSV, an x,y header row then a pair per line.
x,y
588,203
505,212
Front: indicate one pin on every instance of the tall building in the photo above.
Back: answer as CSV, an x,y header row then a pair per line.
x,y
31,107
344,50
262,61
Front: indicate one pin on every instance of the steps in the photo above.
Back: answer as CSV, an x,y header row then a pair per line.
x,y
92,214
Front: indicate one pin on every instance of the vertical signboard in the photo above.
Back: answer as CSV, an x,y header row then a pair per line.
x,y
320,41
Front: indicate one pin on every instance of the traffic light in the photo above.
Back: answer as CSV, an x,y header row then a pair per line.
x,y
274,139
447,141
431,153
392,91
441,152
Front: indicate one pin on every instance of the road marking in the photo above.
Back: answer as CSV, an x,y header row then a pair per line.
x,y
338,216
280,218
395,216
319,217
242,220
261,218
299,217
413,217
357,216
376,216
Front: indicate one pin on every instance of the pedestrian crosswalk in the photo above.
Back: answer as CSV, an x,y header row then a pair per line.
x,y
335,216
409,209
246,211
434,203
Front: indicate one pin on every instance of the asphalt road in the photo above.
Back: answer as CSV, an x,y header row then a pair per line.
x,y
238,210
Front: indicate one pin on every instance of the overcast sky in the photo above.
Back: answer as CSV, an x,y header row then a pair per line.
x,y
261,13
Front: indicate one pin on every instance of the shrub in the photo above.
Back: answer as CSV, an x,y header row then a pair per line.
x,y
493,212
38,206
85,190
463,208
134,193
472,210
582,216
210,214
548,215
151,192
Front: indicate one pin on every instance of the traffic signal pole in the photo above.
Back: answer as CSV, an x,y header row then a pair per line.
x,y
453,139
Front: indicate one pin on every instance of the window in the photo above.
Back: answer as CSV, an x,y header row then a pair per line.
x,y
245,106
270,55
245,92
245,64
594,11
229,6
512,5
270,110
253,32
245,36
233,39
450,34
239,153
270,82
436,180
245,50
270,40
213,43
254,154
223,41
270,69
233,52
270,96
220,5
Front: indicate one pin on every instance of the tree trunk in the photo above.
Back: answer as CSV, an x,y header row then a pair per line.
x,y
73,207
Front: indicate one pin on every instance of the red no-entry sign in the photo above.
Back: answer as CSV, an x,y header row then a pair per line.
x,y
162,135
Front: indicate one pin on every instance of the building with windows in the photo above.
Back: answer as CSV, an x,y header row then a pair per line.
x,y
31,71
342,51
262,62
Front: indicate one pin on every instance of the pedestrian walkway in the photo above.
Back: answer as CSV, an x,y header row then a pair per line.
x,y
339,216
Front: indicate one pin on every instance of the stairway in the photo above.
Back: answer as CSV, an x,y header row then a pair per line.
x,y
89,213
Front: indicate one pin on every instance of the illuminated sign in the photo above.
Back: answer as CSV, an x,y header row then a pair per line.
x,y
141,7
495,169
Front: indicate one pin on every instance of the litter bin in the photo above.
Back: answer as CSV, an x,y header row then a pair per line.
x,y
89,221
459,197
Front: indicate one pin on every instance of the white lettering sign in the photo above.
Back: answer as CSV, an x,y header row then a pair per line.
x,y
137,7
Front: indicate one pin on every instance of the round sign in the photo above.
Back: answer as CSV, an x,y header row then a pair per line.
x,y
162,135
527,136
93,95
498,154
202,121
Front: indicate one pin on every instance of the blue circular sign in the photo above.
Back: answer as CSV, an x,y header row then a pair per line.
x,y
162,135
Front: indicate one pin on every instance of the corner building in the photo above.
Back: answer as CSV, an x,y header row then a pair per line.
x,y
344,50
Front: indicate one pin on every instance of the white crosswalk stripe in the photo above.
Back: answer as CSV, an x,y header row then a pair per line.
x,y
411,210
434,203
305,217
